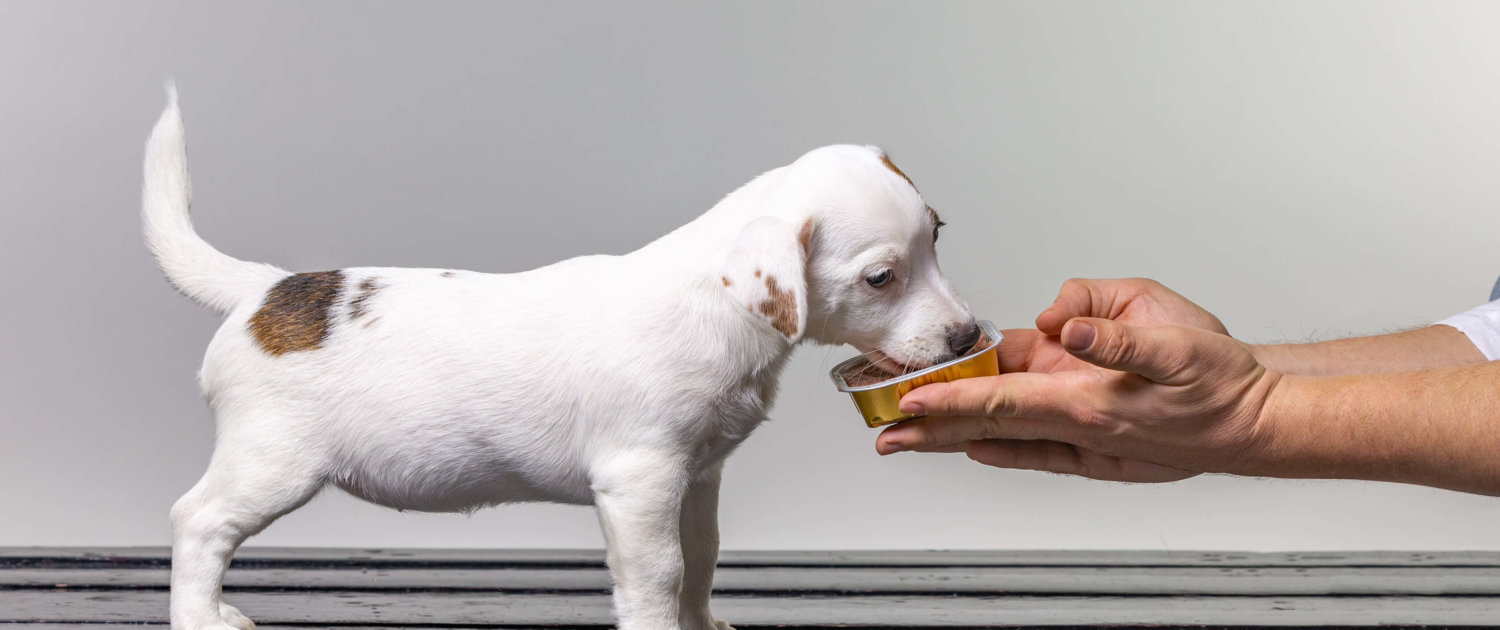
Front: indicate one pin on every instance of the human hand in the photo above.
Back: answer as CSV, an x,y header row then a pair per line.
x,y
1171,402
1134,301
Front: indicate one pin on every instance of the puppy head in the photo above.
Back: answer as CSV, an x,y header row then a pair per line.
x,y
849,257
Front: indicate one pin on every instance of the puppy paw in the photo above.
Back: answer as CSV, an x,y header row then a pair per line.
x,y
705,623
236,619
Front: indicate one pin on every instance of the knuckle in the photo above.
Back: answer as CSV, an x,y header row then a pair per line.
x,y
947,401
1061,459
1117,347
950,431
1075,293
920,434
998,404
944,432
1177,335
1079,466
1183,353
985,429
1092,420
1095,420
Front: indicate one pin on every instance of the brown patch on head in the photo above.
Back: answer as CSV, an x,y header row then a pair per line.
x,y
358,304
781,307
886,160
295,313
446,274
725,279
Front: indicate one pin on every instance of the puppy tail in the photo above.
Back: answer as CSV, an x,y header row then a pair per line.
x,y
197,270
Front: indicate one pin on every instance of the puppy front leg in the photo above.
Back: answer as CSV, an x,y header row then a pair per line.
x,y
639,496
700,550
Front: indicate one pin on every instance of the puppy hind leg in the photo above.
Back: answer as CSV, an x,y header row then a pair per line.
x,y
639,497
237,497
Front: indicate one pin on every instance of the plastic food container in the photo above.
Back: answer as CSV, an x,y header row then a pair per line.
x,y
878,396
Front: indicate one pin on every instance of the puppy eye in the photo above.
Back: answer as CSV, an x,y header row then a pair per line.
x,y
879,279
935,230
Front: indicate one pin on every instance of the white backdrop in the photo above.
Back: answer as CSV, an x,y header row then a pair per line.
x,y
1304,170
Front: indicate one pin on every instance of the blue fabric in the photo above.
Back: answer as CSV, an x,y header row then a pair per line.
x,y
1495,292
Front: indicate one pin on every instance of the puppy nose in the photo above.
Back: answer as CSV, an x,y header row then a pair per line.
x,y
961,340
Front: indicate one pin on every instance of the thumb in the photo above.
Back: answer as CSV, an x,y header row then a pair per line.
x,y
1161,354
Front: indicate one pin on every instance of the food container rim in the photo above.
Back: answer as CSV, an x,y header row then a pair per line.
x,y
838,377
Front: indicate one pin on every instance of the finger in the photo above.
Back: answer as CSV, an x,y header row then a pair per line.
x,y
956,447
1074,299
1106,298
1068,459
945,434
1078,297
1043,455
1020,394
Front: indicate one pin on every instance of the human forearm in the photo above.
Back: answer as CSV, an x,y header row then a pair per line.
x,y
1427,348
1437,427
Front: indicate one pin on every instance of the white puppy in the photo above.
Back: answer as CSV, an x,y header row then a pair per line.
x,y
617,381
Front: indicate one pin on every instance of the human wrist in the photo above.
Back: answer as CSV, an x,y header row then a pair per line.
x,y
1318,427
1302,359
1277,436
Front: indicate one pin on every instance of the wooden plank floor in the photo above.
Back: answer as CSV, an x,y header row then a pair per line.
x,y
58,588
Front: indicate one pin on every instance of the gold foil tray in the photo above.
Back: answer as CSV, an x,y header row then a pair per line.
x,y
879,402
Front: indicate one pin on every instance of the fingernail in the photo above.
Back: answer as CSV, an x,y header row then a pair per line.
x,y
1078,336
912,407
893,447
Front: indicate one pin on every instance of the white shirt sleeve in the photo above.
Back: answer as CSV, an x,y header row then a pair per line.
x,y
1482,326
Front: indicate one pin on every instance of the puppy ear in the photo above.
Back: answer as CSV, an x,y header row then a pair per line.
x,y
766,273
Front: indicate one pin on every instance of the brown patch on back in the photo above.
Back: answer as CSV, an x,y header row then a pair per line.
x,y
781,307
757,273
357,304
725,279
295,313
886,160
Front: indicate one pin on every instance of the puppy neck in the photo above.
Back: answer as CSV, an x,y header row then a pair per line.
x,y
687,266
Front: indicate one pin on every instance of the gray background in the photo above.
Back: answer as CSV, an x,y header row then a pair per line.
x,y
1305,170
